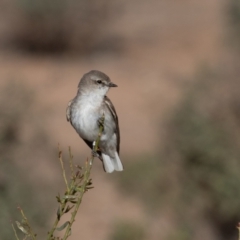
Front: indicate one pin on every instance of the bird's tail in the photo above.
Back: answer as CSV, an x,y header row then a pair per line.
x,y
110,164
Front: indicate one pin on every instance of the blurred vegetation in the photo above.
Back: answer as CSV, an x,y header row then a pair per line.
x,y
144,179
128,230
60,25
233,15
16,187
197,170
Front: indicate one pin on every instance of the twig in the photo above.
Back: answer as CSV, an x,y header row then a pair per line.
x,y
63,169
25,226
86,181
15,233
70,160
80,183
61,210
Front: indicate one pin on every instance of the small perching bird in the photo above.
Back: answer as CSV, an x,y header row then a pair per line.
x,y
85,111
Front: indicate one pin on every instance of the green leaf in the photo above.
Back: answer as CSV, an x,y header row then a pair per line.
x,y
79,167
63,226
59,213
24,230
58,198
89,182
70,197
68,208
79,189
70,232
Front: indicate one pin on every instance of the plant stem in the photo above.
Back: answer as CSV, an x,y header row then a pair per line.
x,y
63,169
16,236
62,207
85,181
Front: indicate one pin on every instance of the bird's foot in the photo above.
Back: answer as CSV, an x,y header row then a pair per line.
x,y
94,153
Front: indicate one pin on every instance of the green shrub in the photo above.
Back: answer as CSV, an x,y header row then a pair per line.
x,y
17,187
128,230
196,172
59,25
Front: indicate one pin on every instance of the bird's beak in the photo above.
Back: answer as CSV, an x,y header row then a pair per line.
x,y
112,84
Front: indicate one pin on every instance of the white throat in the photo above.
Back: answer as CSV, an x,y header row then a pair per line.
x,y
93,97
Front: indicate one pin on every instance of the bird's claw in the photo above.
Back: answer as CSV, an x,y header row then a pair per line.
x,y
95,154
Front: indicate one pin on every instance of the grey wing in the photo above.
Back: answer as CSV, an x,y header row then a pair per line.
x,y
68,111
115,117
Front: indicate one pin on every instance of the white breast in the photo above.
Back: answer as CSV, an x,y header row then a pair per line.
x,y
84,117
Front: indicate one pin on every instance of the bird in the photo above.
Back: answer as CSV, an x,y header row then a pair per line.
x,y
86,109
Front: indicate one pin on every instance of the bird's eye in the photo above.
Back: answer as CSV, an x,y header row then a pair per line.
x,y
99,81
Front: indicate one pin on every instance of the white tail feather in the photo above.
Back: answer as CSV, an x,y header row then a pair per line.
x,y
108,166
111,164
117,163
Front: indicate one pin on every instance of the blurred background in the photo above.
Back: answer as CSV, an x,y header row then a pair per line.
x,y
177,65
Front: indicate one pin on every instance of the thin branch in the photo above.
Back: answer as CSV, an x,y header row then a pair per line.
x,y
63,169
80,183
86,181
15,233
25,226
62,206
70,160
